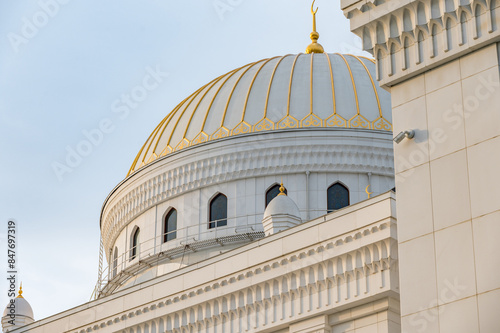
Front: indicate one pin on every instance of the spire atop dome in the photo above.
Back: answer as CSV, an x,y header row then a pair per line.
x,y
314,47
20,294
282,189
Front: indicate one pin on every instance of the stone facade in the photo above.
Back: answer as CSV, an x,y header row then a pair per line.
x,y
408,38
242,168
337,273
444,86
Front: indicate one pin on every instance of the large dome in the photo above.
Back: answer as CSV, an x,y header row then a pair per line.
x,y
292,91
202,181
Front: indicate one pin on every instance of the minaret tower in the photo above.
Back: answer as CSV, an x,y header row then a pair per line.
x,y
440,61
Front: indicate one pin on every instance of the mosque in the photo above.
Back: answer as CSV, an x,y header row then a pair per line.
x,y
266,200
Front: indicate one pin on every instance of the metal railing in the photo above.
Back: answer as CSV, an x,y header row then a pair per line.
x,y
189,238
132,260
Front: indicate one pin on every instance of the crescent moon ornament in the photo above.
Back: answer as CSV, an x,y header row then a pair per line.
x,y
369,193
313,12
312,8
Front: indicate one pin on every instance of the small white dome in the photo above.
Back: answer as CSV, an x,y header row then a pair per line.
x,y
23,308
282,205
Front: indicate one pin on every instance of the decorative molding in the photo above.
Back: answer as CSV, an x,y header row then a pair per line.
x,y
302,283
150,187
390,31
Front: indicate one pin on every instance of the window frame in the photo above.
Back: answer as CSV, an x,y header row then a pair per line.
x,y
215,223
115,262
134,242
167,234
339,183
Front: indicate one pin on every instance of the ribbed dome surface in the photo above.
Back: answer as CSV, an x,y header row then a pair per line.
x,y
293,91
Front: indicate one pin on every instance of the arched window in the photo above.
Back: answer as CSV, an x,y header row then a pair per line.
x,y
477,14
435,11
421,18
393,27
115,262
379,65
170,226
367,40
406,53
337,197
134,244
493,7
218,211
380,33
420,46
393,59
273,193
434,41
449,36
449,6
463,27
407,21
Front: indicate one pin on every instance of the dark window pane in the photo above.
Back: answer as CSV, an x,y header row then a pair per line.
x,y
337,196
273,193
218,211
115,262
135,244
170,226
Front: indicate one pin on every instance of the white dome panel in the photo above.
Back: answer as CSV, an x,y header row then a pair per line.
x,y
239,95
278,97
365,89
256,105
345,96
322,87
300,94
260,93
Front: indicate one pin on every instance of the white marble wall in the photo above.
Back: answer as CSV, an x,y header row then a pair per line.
x,y
447,176
315,277
329,156
448,208
377,317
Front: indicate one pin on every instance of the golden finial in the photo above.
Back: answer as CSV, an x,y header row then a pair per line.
x,y
282,189
20,295
369,193
314,47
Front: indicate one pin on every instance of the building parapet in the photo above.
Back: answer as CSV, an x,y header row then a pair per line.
x,y
344,259
409,37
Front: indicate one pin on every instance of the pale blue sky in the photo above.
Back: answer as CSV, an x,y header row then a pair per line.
x,y
61,79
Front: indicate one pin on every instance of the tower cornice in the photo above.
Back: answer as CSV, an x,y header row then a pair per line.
x,y
408,38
